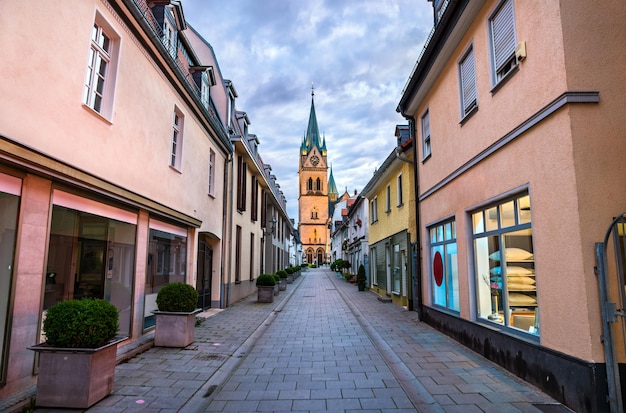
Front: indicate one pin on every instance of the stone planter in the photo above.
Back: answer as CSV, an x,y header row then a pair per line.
x,y
282,285
175,329
75,378
265,294
289,279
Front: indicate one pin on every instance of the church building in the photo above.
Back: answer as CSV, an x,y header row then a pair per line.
x,y
317,194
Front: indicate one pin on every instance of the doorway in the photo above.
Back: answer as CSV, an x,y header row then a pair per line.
x,y
204,279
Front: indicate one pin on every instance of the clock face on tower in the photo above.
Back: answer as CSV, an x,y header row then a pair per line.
x,y
315,160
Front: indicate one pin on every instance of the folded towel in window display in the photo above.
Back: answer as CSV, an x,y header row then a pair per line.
x,y
521,280
512,254
521,287
512,270
519,299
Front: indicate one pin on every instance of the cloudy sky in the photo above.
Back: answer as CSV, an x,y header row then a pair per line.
x,y
358,54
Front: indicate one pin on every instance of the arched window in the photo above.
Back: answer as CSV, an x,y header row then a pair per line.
x,y
309,184
318,184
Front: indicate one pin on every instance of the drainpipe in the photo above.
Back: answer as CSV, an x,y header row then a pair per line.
x,y
418,306
227,240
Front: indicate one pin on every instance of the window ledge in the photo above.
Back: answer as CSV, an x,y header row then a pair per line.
x,y
469,115
505,79
427,157
175,169
97,114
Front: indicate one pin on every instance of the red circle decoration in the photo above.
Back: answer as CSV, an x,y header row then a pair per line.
x,y
438,269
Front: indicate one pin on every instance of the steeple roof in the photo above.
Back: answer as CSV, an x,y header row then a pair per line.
x,y
312,138
332,187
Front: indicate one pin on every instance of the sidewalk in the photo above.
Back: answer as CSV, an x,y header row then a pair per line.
x,y
321,346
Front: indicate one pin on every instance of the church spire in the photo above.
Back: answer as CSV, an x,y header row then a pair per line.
x,y
312,132
332,187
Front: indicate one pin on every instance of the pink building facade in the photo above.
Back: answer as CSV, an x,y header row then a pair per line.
x,y
517,109
115,169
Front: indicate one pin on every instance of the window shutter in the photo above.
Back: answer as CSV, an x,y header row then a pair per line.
x,y
468,81
503,34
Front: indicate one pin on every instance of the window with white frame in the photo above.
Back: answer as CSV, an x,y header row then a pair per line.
x,y
426,149
99,78
467,81
504,264
169,33
211,172
388,198
374,210
502,40
176,147
444,267
400,198
204,90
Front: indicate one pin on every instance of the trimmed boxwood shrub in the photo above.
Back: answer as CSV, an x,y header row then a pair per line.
x,y
281,273
266,280
289,271
360,275
85,323
177,298
276,278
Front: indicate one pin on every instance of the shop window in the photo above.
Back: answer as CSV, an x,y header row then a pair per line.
x,y
505,265
444,270
167,263
90,256
9,205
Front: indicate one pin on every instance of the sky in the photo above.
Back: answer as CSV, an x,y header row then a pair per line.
x,y
358,54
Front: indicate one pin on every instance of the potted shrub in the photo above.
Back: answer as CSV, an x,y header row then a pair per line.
x,y
276,283
176,315
77,361
265,288
282,275
289,272
360,278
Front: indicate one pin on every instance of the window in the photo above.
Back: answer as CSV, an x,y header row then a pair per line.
x,y
504,265
309,184
211,172
177,140
444,268
10,190
426,150
252,256
374,210
467,81
502,40
90,256
169,33
238,254
99,79
242,171
388,199
254,201
318,184
400,199
205,89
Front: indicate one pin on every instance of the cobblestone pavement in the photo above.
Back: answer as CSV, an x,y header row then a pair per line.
x,y
321,346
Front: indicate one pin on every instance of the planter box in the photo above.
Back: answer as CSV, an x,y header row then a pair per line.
x,y
175,329
289,279
75,378
265,294
282,285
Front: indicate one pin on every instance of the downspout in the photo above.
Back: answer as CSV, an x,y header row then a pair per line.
x,y
227,242
418,246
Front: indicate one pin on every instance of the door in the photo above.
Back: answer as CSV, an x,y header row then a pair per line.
x,y
203,279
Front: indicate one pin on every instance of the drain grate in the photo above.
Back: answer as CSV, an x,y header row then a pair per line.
x,y
552,408
210,357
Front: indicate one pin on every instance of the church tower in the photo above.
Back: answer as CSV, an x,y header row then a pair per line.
x,y
313,198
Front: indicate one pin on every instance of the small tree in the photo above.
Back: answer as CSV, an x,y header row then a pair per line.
x,y
360,275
